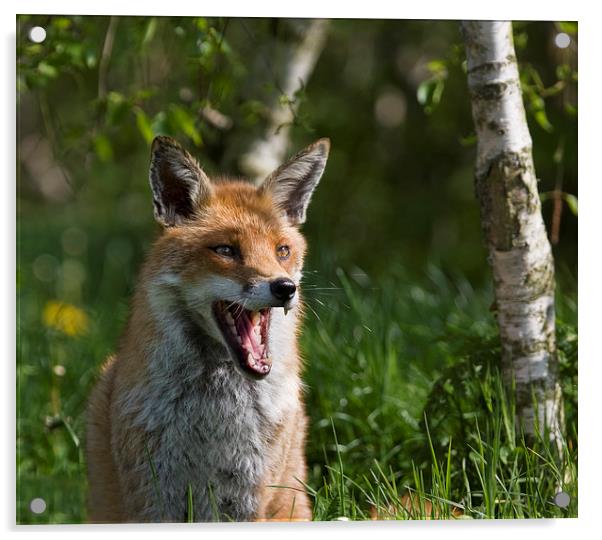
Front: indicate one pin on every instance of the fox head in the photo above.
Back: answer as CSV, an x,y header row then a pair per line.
x,y
231,252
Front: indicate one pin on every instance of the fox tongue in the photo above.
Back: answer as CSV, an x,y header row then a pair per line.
x,y
246,330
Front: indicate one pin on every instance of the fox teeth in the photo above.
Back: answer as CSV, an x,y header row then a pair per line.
x,y
229,318
250,359
257,331
255,318
286,310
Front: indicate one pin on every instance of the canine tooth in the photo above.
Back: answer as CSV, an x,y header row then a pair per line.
x,y
255,317
286,310
229,318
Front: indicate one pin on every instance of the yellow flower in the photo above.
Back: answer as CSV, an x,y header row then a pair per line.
x,y
65,317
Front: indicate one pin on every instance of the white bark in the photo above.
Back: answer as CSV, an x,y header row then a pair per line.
x,y
519,251
267,154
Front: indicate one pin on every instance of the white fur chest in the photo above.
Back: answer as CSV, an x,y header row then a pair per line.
x,y
208,429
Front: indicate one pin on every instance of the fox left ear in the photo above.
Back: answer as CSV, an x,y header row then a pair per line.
x,y
178,184
292,184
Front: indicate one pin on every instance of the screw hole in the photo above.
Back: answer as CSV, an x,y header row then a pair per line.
x,y
37,34
562,499
37,506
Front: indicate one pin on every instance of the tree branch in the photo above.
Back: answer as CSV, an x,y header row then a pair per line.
x,y
268,152
107,50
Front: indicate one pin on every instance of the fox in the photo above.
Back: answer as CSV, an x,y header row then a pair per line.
x,y
199,414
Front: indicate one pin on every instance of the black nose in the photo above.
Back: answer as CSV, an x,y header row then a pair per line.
x,y
283,289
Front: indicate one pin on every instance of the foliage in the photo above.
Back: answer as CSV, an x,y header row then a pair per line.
x,y
210,81
535,94
430,90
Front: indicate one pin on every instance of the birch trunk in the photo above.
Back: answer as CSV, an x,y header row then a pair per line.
x,y
519,252
266,154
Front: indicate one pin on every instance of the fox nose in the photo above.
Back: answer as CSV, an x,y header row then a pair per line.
x,y
283,289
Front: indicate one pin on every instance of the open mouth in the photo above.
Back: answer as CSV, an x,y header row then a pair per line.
x,y
246,332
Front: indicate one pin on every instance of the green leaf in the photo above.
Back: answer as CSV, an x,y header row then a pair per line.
x,y
61,23
91,58
568,27
559,153
563,72
116,98
520,40
117,108
47,69
437,67
423,91
202,24
32,50
284,100
537,103
571,202
429,93
542,119
75,50
103,148
569,198
469,140
159,124
438,91
184,121
144,125
151,29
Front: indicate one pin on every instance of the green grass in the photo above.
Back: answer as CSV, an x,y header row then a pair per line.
x,y
403,391
406,397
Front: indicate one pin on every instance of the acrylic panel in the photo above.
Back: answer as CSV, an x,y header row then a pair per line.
x,y
295,269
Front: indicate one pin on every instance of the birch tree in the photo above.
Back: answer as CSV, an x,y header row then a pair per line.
x,y
519,252
265,154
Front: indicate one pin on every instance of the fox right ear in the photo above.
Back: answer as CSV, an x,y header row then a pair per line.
x,y
177,182
293,183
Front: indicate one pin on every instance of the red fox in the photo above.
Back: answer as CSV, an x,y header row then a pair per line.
x,y
199,414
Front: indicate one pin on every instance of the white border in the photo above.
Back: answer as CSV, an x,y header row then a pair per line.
x,y
589,261
552,10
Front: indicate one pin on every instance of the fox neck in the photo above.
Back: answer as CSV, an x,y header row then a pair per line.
x,y
208,424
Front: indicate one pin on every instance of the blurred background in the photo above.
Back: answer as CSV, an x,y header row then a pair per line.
x,y
395,212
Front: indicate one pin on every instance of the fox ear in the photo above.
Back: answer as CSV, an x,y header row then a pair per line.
x,y
292,184
177,182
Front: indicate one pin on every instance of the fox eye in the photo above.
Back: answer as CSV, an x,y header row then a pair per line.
x,y
283,252
225,251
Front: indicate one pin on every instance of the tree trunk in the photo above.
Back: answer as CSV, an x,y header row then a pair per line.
x,y
519,251
267,153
